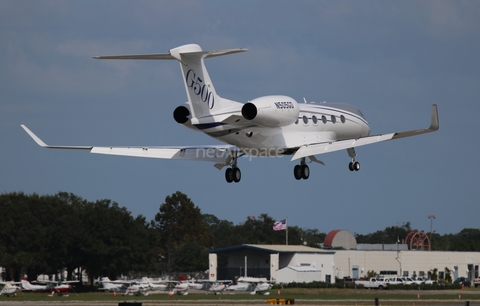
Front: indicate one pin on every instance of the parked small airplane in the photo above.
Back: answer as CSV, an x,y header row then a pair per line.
x,y
139,289
111,286
9,288
131,287
252,284
50,286
274,125
154,285
181,288
218,286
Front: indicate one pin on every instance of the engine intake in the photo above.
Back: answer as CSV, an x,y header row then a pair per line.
x,y
180,114
271,111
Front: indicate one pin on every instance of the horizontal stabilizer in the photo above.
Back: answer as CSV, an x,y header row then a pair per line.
x,y
169,56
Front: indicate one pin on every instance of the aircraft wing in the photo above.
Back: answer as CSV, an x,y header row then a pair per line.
x,y
217,153
322,148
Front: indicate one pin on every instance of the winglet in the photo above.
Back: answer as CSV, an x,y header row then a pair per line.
x,y
435,125
44,145
35,137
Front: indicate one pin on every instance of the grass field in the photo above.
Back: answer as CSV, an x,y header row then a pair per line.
x,y
301,296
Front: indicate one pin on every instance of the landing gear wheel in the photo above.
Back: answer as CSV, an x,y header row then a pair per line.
x,y
305,172
356,166
297,172
237,175
350,166
233,175
229,175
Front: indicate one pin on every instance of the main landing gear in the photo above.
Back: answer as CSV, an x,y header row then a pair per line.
x,y
353,165
301,171
233,174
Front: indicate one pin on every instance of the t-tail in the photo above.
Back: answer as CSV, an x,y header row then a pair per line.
x,y
203,99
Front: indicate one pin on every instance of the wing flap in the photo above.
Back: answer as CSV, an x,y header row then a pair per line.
x,y
212,154
328,147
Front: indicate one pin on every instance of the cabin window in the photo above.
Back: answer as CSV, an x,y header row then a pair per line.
x,y
314,119
296,121
333,119
324,120
305,119
342,118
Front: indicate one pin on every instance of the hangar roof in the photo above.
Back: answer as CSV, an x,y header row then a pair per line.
x,y
273,248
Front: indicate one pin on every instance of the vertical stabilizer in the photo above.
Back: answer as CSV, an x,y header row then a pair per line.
x,y
202,97
200,91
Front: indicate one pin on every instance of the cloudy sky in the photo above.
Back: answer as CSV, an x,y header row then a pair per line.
x,y
391,59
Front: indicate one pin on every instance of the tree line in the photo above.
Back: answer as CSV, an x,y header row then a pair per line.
x,y
46,234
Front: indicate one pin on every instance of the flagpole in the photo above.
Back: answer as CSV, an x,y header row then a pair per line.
x,y
286,230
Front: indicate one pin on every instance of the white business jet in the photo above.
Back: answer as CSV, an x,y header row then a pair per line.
x,y
266,126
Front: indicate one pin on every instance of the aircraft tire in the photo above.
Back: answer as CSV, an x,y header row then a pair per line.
x,y
350,166
305,172
229,175
356,166
236,175
297,172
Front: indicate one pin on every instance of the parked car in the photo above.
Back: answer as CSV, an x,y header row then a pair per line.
x,y
395,281
464,281
373,283
408,281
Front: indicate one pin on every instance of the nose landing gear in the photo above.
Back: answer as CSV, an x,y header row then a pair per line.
x,y
353,165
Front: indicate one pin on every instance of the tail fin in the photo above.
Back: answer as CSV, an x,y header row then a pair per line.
x,y
202,97
26,284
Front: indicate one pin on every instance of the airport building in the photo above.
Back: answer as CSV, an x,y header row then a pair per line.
x,y
341,257
278,263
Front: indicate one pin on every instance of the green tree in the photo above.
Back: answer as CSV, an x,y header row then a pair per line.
x,y
180,221
222,232
47,234
313,237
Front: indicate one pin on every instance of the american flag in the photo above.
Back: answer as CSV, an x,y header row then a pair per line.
x,y
280,225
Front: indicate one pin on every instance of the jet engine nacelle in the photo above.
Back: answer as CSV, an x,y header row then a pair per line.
x,y
181,114
271,111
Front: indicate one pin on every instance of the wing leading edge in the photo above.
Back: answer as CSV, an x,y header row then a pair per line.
x,y
216,154
322,148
